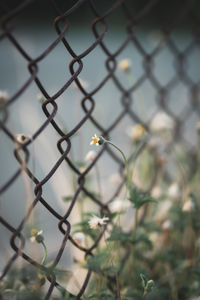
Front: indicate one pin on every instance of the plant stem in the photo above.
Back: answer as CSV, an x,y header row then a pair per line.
x,y
116,274
45,253
129,186
98,180
135,223
125,161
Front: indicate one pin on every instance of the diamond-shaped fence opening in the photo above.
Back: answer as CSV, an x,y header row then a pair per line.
x,y
61,83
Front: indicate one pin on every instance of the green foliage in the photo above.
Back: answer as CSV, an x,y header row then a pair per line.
x,y
147,285
139,199
118,235
67,198
130,294
150,261
93,194
143,238
61,275
101,263
21,284
124,237
64,294
102,294
83,227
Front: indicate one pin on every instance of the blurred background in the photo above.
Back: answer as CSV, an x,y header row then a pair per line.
x,y
162,43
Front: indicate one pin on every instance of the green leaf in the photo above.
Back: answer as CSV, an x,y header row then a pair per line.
x,y
95,263
61,275
130,294
84,228
64,293
147,285
102,294
80,164
94,194
144,280
118,235
67,198
150,285
139,199
141,237
100,263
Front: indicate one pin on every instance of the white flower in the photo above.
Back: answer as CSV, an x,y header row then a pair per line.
x,y
162,121
174,191
96,222
79,237
198,126
115,179
82,169
84,83
40,98
124,65
167,225
95,140
157,37
188,206
162,210
154,237
3,96
155,142
90,156
21,138
118,205
156,192
35,234
136,132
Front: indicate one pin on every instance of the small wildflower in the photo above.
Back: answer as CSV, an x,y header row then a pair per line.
x,y
3,98
41,279
161,159
124,65
96,222
118,205
136,132
167,225
95,140
84,83
79,237
154,238
162,210
188,206
90,156
36,236
82,169
21,138
174,191
155,142
156,37
198,126
115,179
156,192
3,95
162,121
40,98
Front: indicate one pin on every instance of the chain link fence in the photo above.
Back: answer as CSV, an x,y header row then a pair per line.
x,y
173,28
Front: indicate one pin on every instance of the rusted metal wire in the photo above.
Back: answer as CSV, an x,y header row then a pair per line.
x,y
50,106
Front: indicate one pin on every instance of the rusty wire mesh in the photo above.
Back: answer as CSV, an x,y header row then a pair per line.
x,y
185,12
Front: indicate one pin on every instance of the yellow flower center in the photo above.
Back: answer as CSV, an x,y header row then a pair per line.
x,y
95,140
